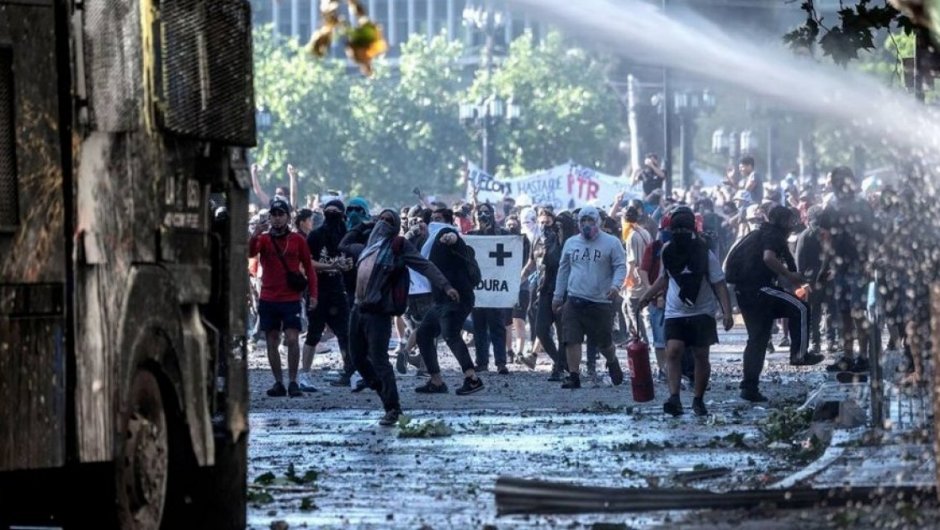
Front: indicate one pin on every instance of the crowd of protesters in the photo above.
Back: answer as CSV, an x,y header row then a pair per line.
x,y
794,257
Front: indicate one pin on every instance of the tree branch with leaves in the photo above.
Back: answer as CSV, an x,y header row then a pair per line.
x,y
853,32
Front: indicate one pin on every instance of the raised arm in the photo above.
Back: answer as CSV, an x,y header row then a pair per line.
x,y
292,175
256,186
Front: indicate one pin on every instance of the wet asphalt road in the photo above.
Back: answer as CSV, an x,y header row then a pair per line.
x,y
520,425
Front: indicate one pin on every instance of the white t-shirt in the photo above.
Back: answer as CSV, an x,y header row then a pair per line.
x,y
706,304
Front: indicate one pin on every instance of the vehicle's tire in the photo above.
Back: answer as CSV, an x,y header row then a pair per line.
x,y
142,469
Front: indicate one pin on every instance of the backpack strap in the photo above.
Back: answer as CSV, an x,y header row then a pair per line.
x,y
279,254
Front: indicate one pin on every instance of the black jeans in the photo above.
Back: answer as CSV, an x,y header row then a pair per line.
x,y
368,347
489,326
447,321
760,307
544,322
332,310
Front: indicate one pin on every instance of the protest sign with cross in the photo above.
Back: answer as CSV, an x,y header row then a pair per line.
x,y
500,261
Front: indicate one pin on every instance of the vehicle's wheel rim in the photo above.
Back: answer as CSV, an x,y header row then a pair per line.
x,y
146,458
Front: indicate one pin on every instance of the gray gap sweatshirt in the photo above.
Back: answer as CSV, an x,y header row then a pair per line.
x,y
589,269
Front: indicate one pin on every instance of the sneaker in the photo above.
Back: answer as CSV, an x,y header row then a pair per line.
x,y
342,380
277,390
360,386
661,376
469,386
673,406
306,382
481,368
502,370
860,366
510,356
754,396
616,373
529,361
698,407
809,359
770,346
844,364
401,363
785,343
293,389
431,388
556,376
390,418
572,382
422,374
415,360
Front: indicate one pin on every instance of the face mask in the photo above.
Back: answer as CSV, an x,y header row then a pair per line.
x,y
354,219
332,216
485,220
515,230
589,231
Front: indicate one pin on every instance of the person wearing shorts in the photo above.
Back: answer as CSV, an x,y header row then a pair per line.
x,y
693,276
590,273
282,253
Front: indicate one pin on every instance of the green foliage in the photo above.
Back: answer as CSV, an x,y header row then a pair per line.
x,y
783,425
855,32
380,136
309,101
428,429
407,131
569,112
259,497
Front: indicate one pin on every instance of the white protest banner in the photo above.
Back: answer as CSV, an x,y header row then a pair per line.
x,y
500,261
567,186
488,188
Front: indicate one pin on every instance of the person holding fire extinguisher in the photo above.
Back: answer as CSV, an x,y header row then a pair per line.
x,y
694,278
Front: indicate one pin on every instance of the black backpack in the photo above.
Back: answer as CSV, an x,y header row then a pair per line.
x,y
736,263
469,257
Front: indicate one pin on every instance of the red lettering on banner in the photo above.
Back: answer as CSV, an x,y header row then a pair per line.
x,y
593,187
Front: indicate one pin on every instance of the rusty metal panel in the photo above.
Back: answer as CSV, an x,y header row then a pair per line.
x,y
32,255
9,196
207,70
113,64
36,248
32,392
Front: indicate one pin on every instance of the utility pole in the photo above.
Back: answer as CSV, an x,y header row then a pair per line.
x,y
667,124
489,30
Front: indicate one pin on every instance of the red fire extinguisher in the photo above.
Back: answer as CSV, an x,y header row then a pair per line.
x,y
641,375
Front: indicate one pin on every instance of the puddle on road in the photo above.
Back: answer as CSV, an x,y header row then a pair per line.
x,y
370,478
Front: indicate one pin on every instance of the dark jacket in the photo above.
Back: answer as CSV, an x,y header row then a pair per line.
x,y
757,274
355,241
551,259
447,258
809,253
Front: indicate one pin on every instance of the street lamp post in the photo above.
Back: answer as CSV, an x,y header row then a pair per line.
x,y
263,119
493,109
486,115
686,105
